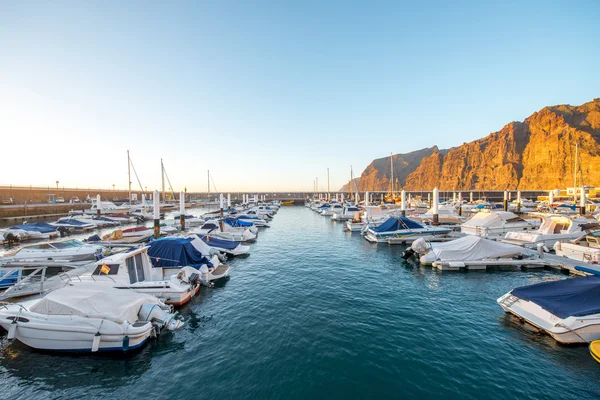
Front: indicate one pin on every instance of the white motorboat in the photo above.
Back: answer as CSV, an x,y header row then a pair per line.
x,y
87,318
258,222
36,230
586,248
447,215
73,224
133,270
472,252
229,247
213,228
105,207
334,208
403,228
496,224
72,251
568,309
554,228
173,254
13,235
347,213
190,220
99,222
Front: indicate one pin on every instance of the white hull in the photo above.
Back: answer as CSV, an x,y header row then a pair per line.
x,y
570,330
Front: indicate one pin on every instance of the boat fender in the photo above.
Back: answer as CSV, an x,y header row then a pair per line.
x,y
12,329
96,342
125,343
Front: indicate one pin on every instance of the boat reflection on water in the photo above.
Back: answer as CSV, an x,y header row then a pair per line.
x,y
569,357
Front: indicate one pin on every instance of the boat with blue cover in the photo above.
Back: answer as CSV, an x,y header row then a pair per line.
x,y
568,310
73,224
403,228
37,230
172,254
229,247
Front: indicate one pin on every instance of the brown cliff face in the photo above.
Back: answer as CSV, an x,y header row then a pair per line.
x,y
378,174
535,154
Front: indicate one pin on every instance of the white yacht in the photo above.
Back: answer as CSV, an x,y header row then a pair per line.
x,y
554,228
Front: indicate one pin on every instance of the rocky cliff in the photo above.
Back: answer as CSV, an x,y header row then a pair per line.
x,y
538,153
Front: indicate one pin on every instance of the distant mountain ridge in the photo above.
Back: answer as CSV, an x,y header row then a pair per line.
x,y
538,153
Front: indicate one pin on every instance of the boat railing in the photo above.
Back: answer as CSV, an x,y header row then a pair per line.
x,y
23,281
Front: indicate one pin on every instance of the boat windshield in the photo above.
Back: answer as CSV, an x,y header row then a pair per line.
x,y
67,244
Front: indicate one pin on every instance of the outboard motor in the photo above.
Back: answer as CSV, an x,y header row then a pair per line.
x,y
63,231
158,317
419,247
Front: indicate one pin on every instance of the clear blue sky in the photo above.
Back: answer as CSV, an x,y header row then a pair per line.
x,y
268,94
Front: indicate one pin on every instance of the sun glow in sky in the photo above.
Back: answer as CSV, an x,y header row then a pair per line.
x,y
268,94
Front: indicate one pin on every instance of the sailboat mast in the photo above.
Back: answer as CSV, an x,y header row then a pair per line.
x,y
129,175
328,192
208,183
162,175
575,174
392,168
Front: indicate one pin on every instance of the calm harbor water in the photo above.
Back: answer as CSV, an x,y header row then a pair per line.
x,y
315,312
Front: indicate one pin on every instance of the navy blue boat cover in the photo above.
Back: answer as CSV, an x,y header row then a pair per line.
x,y
216,242
237,223
41,227
568,297
397,223
73,222
175,252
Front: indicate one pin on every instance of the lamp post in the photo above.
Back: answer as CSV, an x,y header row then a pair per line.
x,y
57,186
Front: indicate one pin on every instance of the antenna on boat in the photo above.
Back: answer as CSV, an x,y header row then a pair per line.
x,y
169,181
575,175
136,175
328,193
162,176
129,175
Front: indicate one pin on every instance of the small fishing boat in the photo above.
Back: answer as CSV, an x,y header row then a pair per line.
x,y
568,309
402,228
287,203
87,318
